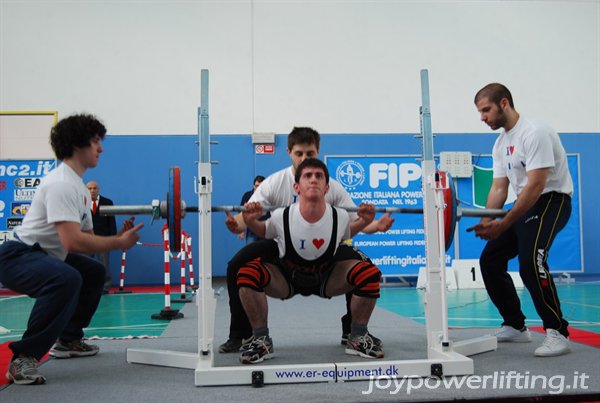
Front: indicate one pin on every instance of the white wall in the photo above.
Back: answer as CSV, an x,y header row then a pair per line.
x,y
340,66
26,132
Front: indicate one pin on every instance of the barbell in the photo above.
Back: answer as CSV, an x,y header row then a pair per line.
x,y
174,209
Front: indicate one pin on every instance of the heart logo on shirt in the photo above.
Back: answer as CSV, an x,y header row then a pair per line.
x,y
511,149
318,243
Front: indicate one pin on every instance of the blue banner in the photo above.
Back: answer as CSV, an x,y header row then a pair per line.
x,y
388,181
18,181
395,181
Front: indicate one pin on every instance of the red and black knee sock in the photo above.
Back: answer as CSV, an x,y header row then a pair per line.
x,y
253,275
365,277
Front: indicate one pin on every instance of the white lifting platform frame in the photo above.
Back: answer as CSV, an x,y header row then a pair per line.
x,y
444,357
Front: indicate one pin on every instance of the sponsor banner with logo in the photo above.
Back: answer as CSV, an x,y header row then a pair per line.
x,y
387,181
18,181
395,181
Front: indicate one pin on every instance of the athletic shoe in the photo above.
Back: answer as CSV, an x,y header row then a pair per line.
x,y
75,348
23,371
554,344
363,346
260,349
508,334
233,345
376,341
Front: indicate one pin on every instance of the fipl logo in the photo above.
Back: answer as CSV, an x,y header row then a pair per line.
x,y
350,174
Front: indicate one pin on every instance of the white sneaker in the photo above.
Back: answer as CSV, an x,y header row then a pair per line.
x,y
554,344
508,334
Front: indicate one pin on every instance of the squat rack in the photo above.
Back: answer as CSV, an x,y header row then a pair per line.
x,y
444,357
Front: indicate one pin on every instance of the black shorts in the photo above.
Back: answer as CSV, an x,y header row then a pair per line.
x,y
306,284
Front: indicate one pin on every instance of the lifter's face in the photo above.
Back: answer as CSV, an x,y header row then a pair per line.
x,y
300,152
491,113
312,184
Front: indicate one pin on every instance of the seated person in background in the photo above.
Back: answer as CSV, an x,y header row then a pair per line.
x,y
311,261
257,181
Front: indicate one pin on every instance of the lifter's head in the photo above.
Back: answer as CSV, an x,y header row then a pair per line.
x,y
312,179
303,143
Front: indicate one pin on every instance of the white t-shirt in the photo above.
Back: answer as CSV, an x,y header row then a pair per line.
x,y
527,146
61,196
310,240
278,191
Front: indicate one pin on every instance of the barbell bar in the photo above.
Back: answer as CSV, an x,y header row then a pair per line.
x,y
464,212
144,209
174,209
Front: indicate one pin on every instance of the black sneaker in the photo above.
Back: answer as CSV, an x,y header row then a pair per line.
x,y
23,371
363,346
75,348
233,345
377,341
260,349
